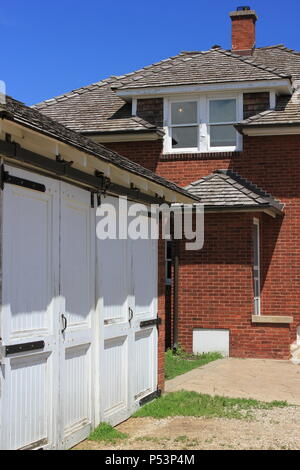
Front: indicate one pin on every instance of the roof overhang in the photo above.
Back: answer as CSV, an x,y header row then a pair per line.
x,y
266,208
124,136
280,86
269,129
35,150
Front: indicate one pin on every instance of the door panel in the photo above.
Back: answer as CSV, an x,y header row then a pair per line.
x,y
127,292
29,313
77,303
113,278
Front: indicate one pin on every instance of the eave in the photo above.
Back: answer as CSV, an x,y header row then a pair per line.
x,y
280,86
125,135
287,128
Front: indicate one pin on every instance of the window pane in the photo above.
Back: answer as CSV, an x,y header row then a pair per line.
x,y
222,136
184,112
184,137
222,111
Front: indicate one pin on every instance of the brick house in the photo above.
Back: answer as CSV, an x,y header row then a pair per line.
x,y
225,124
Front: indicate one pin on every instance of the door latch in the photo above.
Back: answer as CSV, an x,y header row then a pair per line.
x,y
130,311
65,322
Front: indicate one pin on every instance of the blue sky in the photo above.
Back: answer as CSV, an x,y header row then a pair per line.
x,y
55,46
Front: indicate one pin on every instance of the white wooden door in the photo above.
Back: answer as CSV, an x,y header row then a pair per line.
x,y
144,339
48,286
127,293
77,281
30,313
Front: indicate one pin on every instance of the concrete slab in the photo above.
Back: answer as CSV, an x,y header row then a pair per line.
x,y
262,379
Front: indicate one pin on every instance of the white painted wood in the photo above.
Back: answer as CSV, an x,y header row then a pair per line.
x,y
210,340
30,313
103,363
77,304
282,86
48,270
127,279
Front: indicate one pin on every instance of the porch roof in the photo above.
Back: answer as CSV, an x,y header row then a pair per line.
x,y
227,190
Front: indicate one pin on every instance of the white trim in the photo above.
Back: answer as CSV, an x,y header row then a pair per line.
x,y
125,137
272,99
202,124
134,106
256,278
272,130
283,86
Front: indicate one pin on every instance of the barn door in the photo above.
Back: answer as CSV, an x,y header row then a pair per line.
x,y
77,303
30,314
143,329
127,285
48,300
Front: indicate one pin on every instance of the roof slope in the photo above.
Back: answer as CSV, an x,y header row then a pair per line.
x,y
226,189
29,117
286,112
213,66
97,108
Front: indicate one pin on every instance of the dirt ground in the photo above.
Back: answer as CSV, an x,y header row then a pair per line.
x,y
276,429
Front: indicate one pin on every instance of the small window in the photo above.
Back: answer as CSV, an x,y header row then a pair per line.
x,y
256,267
168,262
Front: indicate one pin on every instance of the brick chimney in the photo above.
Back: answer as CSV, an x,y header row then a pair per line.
x,y
243,30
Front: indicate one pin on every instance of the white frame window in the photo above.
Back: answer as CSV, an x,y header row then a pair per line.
x,y
256,266
202,123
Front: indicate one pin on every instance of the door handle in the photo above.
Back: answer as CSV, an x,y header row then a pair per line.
x,y
65,322
130,311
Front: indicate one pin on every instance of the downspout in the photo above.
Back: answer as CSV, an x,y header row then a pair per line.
x,y
175,309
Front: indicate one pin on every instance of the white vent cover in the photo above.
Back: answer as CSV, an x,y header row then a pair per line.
x,y
206,340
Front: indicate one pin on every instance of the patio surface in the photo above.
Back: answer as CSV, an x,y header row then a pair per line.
x,y
262,379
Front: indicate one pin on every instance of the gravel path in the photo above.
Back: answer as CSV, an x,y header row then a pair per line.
x,y
268,429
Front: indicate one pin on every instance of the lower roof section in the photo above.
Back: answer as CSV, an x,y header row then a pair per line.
x,y
225,190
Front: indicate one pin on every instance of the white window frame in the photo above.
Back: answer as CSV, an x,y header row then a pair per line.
x,y
256,268
202,122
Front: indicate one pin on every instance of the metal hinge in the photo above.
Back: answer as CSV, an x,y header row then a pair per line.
x,y
23,347
155,321
5,177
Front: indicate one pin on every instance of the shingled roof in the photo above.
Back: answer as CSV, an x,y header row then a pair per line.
x,y
286,113
225,189
213,66
97,108
17,112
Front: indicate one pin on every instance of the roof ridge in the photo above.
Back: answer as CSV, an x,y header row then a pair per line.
x,y
252,62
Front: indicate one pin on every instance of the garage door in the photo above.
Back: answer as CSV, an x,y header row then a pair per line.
x,y
48,299
127,296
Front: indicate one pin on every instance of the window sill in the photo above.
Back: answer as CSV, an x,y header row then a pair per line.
x,y
200,155
271,319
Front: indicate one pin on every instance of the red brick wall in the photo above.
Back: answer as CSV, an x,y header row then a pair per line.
x,y
272,163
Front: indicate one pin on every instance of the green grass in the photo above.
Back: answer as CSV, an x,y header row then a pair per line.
x,y
185,403
179,363
105,432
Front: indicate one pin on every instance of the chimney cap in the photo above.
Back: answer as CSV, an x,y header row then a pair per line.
x,y
243,11
244,8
